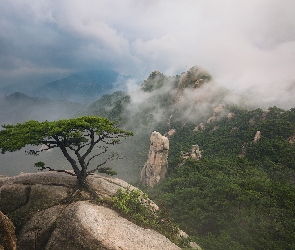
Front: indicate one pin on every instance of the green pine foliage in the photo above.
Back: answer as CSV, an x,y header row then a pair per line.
x,y
77,138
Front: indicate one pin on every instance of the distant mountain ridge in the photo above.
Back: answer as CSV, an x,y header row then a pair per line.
x,y
84,87
19,107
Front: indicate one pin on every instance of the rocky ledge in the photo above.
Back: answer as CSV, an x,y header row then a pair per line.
x,y
49,212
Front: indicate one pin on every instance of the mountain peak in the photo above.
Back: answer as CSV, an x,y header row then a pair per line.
x,y
84,87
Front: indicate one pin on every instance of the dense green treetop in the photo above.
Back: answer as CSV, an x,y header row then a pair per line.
x,y
76,138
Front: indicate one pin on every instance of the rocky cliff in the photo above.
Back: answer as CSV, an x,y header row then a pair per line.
x,y
156,166
49,212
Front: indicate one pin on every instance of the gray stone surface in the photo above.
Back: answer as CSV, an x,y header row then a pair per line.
x,y
39,228
45,178
51,213
98,226
13,196
105,186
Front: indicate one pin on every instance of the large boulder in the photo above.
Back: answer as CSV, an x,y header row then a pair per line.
x,y
156,166
100,226
49,212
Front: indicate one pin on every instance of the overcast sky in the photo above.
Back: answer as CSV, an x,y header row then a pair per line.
x,y
241,43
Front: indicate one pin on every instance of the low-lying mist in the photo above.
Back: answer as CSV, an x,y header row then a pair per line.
x,y
161,101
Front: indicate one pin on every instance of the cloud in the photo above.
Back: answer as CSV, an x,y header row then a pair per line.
x,y
240,44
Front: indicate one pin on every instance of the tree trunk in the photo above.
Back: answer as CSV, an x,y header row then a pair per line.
x,y
82,176
71,160
81,180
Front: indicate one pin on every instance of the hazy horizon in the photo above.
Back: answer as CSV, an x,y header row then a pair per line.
x,y
242,45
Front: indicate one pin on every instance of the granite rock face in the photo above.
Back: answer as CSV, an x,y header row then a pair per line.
x,y
156,166
7,233
49,212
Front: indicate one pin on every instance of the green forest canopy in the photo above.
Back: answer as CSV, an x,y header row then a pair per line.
x,y
232,201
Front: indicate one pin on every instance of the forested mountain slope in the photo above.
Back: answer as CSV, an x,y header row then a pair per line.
x,y
241,193
150,108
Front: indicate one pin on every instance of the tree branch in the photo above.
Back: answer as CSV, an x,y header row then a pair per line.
x,y
92,144
36,152
59,170
97,167
111,157
98,154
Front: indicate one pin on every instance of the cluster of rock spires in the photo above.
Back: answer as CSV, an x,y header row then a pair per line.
x,y
195,153
193,78
49,212
156,166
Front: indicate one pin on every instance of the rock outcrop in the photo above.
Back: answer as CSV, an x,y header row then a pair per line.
x,y
200,127
257,136
156,166
171,132
217,113
291,139
195,153
49,212
231,115
193,78
7,233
